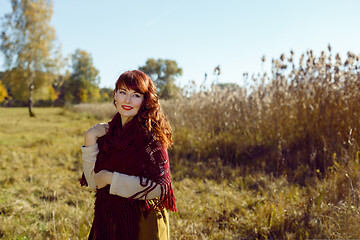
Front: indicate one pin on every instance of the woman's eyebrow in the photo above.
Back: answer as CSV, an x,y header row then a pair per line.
x,y
126,89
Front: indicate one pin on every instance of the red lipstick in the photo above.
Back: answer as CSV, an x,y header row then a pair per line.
x,y
126,108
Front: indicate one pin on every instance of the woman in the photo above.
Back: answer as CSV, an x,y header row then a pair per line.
x,y
126,161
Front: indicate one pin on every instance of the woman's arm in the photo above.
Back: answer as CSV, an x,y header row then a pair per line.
x,y
89,158
90,150
128,186
120,184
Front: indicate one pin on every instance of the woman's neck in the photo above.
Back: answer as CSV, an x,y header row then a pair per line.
x,y
125,120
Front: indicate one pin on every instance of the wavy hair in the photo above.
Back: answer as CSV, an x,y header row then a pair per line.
x,y
150,113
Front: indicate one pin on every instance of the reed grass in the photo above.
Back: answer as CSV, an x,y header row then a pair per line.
x,y
297,121
275,159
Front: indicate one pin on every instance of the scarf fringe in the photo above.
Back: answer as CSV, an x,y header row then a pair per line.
x,y
83,181
115,222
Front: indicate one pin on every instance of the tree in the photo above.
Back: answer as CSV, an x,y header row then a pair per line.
x,y
27,41
163,72
106,94
83,83
14,81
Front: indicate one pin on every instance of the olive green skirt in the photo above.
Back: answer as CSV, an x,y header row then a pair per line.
x,y
154,227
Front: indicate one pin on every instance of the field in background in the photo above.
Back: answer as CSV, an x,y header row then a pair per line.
x,y
275,159
40,197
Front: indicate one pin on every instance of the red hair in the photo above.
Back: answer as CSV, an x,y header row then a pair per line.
x,y
150,113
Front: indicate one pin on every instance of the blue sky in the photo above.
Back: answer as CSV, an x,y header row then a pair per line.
x,y
201,34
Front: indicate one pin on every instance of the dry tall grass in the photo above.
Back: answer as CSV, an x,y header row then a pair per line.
x,y
298,122
40,196
301,123
294,137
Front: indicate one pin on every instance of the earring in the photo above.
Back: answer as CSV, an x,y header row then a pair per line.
x,y
115,102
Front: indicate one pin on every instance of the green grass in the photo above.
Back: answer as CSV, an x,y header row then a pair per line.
x,y
40,197
39,166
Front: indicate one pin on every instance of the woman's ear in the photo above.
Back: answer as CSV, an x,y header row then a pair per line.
x,y
114,100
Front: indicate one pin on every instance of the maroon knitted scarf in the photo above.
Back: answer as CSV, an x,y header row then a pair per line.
x,y
129,149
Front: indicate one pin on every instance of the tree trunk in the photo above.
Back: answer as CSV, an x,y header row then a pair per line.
x,y
31,92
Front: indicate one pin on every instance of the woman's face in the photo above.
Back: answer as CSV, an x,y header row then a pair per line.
x,y
128,102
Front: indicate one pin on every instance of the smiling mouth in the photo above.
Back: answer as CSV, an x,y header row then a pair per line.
x,y
127,108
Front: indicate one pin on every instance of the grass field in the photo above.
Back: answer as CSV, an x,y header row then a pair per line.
x,y
40,198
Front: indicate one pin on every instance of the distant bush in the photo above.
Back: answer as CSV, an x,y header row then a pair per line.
x,y
44,103
10,102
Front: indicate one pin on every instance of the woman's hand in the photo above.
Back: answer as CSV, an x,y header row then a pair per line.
x,y
95,132
103,178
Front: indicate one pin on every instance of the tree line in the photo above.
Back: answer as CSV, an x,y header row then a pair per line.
x,y
34,66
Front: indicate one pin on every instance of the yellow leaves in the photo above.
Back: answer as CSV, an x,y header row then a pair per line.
x,y
95,94
3,92
16,81
89,95
83,95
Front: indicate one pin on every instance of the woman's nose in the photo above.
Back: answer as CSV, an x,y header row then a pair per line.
x,y
127,99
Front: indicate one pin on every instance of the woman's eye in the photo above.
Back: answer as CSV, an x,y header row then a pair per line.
x,y
122,92
136,95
